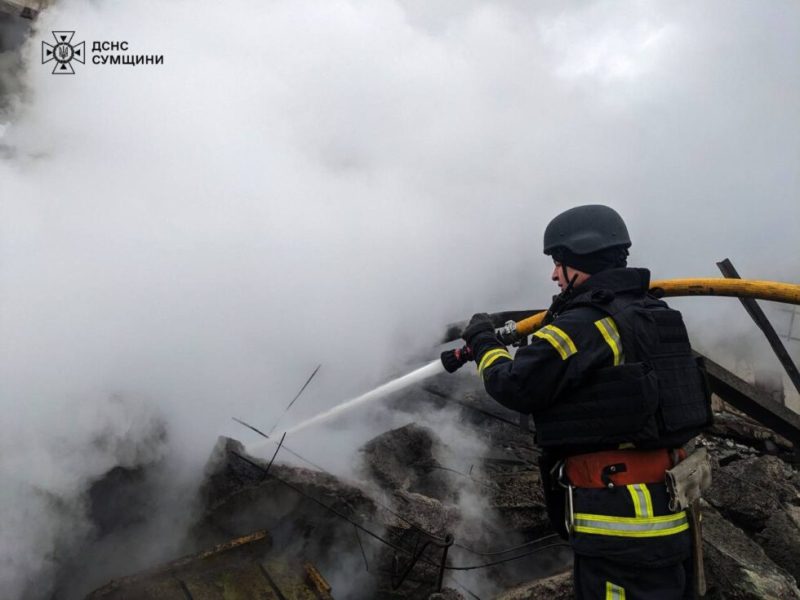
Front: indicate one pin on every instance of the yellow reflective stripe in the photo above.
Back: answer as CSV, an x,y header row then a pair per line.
x,y
553,342
558,339
648,500
490,357
678,516
642,501
637,505
564,337
610,333
631,534
613,325
637,527
614,592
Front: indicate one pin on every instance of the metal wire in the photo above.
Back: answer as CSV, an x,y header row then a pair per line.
x,y
507,550
505,560
289,450
302,389
363,553
278,449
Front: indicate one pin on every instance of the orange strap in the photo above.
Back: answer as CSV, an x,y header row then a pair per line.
x,y
620,467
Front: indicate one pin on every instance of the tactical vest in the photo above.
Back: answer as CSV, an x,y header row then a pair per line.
x,y
658,398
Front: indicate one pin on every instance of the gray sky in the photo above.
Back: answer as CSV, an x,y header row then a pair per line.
x,y
331,182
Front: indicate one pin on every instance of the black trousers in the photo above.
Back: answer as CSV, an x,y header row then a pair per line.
x,y
602,579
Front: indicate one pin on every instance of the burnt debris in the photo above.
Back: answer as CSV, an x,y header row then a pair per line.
x,y
423,521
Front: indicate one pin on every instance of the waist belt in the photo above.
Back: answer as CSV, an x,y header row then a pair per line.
x,y
619,467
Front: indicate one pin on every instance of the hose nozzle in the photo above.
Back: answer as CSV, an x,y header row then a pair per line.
x,y
454,359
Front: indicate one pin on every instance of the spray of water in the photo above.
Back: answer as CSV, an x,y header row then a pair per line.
x,y
429,370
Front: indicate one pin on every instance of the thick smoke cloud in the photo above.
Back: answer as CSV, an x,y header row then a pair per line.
x,y
331,182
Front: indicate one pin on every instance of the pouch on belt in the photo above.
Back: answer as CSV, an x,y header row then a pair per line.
x,y
685,483
687,480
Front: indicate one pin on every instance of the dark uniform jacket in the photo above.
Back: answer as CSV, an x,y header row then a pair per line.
x,y
541,371
585,395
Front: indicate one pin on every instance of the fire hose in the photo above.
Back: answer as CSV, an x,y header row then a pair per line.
x,y
514,331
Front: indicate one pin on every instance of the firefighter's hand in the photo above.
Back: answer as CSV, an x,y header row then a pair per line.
x,y
479,323
453,360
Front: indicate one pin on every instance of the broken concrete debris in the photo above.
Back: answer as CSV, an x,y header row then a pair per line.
x,y
385,535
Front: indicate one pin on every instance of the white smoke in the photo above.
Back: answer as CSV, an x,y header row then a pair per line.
x,y
332,182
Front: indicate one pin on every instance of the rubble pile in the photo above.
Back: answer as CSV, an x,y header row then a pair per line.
x,y
751,514
385,533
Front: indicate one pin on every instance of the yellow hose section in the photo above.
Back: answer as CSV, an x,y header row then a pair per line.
x,y
740,288
531,324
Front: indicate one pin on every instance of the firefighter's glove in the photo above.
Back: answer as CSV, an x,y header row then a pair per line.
x,y
480,336
479,325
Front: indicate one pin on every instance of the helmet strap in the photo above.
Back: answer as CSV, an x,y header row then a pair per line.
x,y
561,299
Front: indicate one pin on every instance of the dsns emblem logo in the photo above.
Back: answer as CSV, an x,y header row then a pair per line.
x,y
63,53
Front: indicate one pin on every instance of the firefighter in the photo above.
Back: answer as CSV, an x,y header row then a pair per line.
x,y
615,394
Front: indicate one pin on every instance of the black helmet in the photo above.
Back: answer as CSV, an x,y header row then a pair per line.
x,y
586,229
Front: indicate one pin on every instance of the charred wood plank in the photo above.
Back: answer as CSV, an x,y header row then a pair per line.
x,y
752,401
757,314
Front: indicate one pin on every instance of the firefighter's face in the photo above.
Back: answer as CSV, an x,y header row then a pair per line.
x,y
563,282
